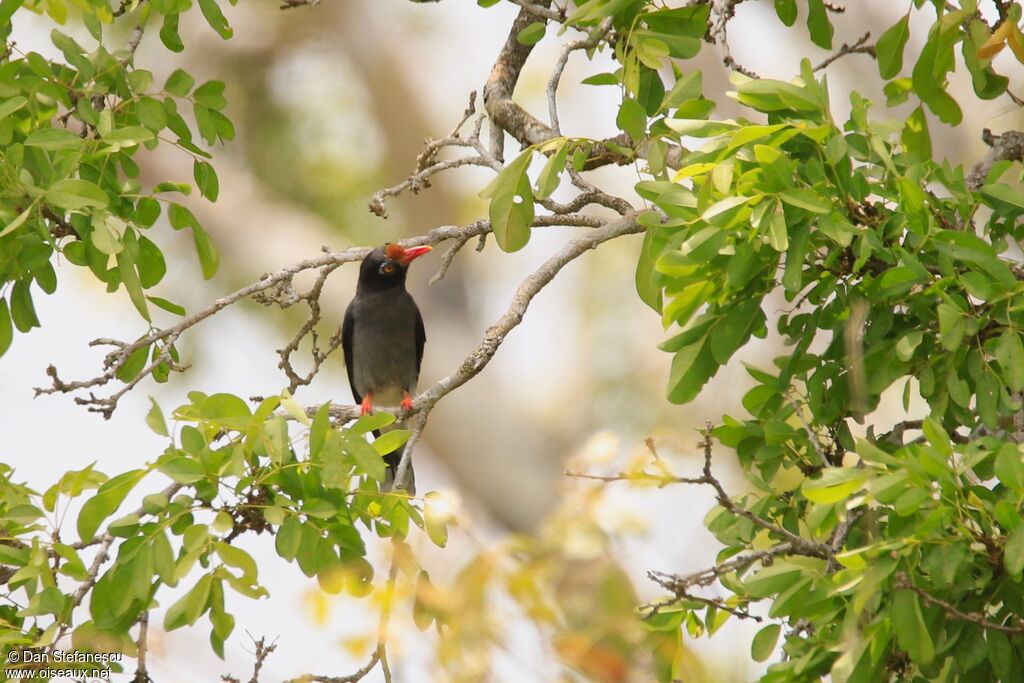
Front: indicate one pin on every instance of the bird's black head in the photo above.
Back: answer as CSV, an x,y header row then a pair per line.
x,y
386,266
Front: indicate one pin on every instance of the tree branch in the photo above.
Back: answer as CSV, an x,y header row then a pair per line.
x,y
1006,147
271,288
901,580
509,117
858,47
478,359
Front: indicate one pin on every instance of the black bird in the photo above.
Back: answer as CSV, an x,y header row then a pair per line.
x,y
383,337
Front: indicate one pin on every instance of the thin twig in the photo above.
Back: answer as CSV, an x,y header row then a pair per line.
x,y
141,674
591,41
858,47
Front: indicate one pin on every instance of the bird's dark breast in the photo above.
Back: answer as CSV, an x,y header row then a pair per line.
x,y
384,347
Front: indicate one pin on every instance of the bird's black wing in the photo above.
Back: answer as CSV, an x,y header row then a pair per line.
x,y
347,339
421,340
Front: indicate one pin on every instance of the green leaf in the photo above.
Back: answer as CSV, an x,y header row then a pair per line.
x,y
391,441
187,610
786,9
169,34
74,194
179,83
912,633
807,199
818,24
211,95
651,92
130,278
108,498
23,311
692,367
937,436
916,138
11,105
368,423
319,509
601,79
166,305
632,119
951,326
367,459
53,139
532,34
733,329
889,48
6,330
1000,654
8,8
778,232
150,263
151,114
206,180
155,419
987,83
969,247
774,579
223,409
238,558
551,175
723,206
1010,354
946,108
288,539
1004,193
215,18
1013,552
988,390
182,469
764,642
19,220
134,365
1009,466
835,484
511,210
129,136
209,259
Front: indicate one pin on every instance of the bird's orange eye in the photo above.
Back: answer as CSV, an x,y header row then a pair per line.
x,y
387,268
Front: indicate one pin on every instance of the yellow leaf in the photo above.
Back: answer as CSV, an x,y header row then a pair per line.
x,y
997,41
1016,41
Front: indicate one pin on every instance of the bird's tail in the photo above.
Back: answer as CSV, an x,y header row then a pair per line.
x,y
393,459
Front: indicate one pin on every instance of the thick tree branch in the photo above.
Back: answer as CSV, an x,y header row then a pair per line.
x,y
1006,147
508,116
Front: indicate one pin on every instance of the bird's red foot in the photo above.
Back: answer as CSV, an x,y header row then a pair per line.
x,y
366,407
406,401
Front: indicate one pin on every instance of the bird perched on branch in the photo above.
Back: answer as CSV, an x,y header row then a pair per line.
x,y
383,337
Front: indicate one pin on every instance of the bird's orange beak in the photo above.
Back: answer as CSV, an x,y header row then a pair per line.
x,y
413,253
